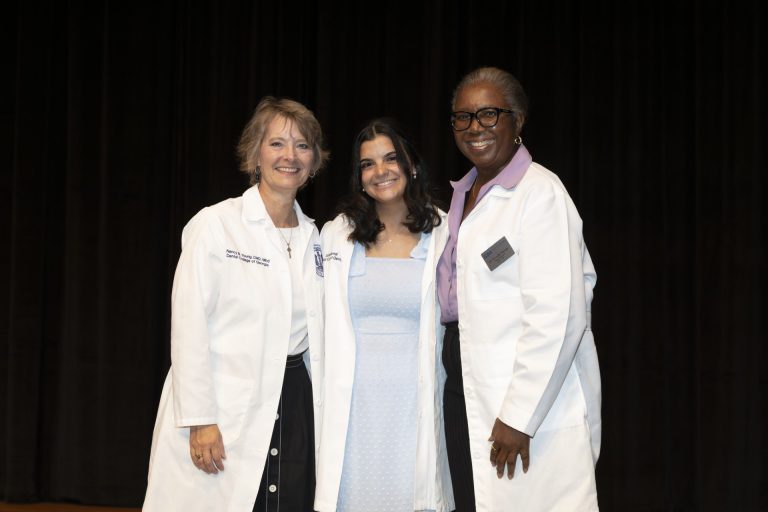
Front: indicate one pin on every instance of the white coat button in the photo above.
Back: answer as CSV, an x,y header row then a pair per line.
x,y
469,391
311,312
273,451
318,403
272,488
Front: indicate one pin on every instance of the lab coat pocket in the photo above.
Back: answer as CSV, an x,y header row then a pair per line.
x,y
232,396
503,281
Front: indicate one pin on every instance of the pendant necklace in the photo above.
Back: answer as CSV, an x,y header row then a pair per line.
x,y
287,242
393,234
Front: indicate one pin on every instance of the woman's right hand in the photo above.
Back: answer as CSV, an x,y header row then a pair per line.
x,y
206,447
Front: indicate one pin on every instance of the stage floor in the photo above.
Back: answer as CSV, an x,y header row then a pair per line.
x,y
59,507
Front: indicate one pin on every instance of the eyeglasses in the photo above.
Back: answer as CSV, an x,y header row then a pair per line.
x,y
487,117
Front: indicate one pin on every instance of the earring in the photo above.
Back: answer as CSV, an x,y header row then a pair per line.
x,y
518,140
312,174
413,174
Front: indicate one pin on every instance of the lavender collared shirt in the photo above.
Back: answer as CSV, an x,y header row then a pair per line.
x,y
508,178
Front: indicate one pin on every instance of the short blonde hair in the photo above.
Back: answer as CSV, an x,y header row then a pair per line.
x,y
253,134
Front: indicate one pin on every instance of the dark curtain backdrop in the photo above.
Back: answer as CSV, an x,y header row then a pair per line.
x,y
120,120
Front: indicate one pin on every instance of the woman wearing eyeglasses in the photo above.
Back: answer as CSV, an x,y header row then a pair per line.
x,y
515,286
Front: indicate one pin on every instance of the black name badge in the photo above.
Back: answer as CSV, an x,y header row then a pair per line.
x,y
498,253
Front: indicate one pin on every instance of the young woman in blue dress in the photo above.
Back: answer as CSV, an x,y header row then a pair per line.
x,y
379,447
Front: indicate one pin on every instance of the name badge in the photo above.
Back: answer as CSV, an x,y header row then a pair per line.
x,y
498,253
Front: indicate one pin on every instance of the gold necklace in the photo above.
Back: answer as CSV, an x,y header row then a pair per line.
x,y
473,193
395,234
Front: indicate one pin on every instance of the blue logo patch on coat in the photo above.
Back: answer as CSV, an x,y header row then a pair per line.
x,y
318,260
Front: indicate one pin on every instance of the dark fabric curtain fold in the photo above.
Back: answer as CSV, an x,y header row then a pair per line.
x,y
120,122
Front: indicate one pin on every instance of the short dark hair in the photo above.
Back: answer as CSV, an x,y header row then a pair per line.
x,y
360,208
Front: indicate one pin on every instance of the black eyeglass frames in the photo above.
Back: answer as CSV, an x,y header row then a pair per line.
x,y
487,117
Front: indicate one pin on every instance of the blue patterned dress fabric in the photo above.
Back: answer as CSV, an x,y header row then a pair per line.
x,y
380,454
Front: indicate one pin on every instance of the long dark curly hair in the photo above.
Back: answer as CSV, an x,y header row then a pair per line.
x,y
360,208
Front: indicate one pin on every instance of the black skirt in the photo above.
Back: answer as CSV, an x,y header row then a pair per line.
x,y
288,481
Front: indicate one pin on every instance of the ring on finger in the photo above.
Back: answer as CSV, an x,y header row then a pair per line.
x,y
494,448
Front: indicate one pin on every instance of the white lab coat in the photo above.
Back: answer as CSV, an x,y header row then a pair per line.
x,y
527,351
231,321
432,489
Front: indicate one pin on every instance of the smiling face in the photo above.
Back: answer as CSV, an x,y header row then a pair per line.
x,y
489,149
381,176
285,157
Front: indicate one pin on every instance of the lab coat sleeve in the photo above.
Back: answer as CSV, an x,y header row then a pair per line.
x,y
590,277
195,290
542,359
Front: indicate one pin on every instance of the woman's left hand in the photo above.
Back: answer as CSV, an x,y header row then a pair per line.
x,y
507,444
206,447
